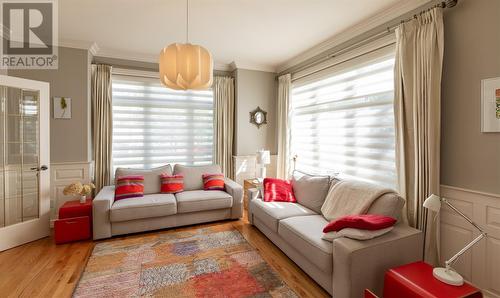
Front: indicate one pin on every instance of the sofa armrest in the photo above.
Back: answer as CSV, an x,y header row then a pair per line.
x,y
101,206
236,191
253,193
360,265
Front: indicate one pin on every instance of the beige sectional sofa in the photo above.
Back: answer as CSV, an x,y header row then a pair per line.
x,y
157,211
345,267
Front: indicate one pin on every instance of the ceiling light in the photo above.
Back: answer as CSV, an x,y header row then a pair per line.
x,y
186,66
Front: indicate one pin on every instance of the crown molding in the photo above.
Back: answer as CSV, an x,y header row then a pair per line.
x,y
252,66
368,24
77,44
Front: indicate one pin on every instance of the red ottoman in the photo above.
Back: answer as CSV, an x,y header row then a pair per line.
x,y
74,223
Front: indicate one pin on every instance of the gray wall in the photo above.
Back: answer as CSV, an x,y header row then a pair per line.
x,y
255,88
69,139
469,159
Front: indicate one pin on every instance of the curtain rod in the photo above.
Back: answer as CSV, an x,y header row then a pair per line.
x,y
388,30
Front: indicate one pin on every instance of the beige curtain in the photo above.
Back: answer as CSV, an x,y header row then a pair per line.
x,y
223,88
102,123
419,59
283,160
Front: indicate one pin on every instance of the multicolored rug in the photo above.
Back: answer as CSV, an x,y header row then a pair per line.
x,y
208,262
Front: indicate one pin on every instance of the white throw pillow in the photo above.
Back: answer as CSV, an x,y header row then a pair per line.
x,y
357,234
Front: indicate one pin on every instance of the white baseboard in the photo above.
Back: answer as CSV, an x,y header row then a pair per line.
x,y
480,265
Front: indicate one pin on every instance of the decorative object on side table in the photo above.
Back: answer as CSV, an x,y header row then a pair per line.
x,y
447,274
416,280
62,108
258,117
74,223
263,159
490,105
79,189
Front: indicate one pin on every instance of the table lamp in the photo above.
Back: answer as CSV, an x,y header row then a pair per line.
x,y
263,159
447,274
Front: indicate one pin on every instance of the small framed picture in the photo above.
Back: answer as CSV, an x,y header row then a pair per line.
x,y
490,105
62,108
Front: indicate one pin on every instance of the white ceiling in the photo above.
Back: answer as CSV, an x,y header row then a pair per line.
x,y
256,34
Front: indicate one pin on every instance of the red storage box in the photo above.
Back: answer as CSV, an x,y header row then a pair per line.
x,y
76,209
415,280
71,229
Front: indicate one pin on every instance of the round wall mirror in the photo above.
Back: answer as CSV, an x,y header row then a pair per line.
x,y
258,117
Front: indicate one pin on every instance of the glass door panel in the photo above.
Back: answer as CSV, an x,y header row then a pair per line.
x,y
30,144
20,160
13,158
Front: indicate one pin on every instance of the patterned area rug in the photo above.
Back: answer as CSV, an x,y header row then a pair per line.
x,y
208,262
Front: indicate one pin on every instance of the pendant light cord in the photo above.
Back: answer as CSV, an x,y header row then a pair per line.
x,y
187,21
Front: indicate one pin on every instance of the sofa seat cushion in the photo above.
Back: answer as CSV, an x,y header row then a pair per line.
x,y
304,233
200,200
153,205
272,212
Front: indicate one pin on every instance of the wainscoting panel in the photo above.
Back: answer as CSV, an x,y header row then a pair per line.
x,y
245,167
481,265
61,175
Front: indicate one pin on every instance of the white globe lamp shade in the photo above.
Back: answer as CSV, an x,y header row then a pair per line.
x,y
186,66
433,203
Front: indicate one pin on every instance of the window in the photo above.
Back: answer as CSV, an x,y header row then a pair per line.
x,y
344,123
154,125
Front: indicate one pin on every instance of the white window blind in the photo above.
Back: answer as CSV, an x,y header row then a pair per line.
x,y
154,125
344,123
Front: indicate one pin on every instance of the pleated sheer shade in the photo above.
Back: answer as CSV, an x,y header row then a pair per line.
x,y
186,66
154,125
344,123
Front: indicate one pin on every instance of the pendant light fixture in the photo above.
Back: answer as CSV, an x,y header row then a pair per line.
x,y
186,66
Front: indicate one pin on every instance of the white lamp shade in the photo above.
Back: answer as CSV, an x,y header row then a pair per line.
x,y
433,203
263,157
186,66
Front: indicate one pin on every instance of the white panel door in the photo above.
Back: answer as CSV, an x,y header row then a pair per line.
x,y
24,156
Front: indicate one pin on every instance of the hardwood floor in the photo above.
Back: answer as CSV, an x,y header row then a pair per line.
x,y
43,269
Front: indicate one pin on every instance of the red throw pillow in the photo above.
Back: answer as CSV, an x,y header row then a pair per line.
x,y
171,183
362,221
213,181
278,190
129,187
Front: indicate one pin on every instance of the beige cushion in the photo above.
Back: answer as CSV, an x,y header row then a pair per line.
x,y
153,205
389,204
152,183
192,175
305,233
271,212
310,191
199,200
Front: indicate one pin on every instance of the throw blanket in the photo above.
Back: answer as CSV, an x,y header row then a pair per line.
x,y
349,197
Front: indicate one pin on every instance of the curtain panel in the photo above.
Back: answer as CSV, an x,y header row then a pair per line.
x,y
102,124
223,88
418,71
283,159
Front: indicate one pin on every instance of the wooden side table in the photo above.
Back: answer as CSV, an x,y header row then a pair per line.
x,y
415,280
248,184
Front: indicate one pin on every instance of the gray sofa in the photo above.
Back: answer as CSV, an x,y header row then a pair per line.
x,y
345,267
158,211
